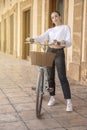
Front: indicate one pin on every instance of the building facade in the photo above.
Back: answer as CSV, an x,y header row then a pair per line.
x,y
20,19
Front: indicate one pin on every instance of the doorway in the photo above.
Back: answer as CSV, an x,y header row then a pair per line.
x,y
60,6
56,5
26,33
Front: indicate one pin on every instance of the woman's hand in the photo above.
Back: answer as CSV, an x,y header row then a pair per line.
x,y
30,40
63,43
58,44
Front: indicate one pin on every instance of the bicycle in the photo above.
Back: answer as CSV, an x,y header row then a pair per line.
x,y
42,59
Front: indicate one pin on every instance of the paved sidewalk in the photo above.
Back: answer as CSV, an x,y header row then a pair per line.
x,y
17,101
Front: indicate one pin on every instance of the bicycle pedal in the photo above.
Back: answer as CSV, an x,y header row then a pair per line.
x,y
49,89
42,93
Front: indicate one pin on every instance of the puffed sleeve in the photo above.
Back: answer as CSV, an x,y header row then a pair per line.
x,y
43,37
68,36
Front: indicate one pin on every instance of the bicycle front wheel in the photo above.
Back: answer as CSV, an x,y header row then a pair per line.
x,y
39,93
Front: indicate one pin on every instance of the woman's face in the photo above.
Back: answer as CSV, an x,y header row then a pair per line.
x,y
56,19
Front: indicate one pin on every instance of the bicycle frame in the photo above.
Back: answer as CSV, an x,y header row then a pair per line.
x,y
43,59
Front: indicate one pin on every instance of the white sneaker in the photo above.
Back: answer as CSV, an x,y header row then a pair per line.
x,y
69,107
51,101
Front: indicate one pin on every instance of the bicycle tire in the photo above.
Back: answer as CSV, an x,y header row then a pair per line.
x,y
39,93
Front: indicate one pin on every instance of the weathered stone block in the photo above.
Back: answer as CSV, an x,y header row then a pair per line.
x,y
84,73
74,71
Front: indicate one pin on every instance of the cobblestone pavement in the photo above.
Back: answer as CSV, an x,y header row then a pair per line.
x,y
17,101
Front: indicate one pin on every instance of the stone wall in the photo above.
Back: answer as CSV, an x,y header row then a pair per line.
x,y
75,15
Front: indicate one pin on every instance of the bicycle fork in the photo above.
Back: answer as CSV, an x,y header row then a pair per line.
x,y
46,85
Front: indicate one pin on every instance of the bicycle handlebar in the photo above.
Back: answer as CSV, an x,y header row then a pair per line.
x,y
44,46
58,44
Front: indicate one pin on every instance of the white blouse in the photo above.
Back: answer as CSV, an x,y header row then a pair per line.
x,y
58,33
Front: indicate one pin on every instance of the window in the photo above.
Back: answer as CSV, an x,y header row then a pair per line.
x,y
4,35
60,7
4,3
0,36
11,34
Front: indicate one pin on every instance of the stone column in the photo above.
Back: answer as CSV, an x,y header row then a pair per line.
x,y
75,66
84,47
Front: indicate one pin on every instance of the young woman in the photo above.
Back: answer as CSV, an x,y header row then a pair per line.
x,y
57,34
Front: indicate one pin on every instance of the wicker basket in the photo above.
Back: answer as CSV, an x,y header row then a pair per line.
x,y
42,58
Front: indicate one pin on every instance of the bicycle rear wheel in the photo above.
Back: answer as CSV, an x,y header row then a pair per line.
x,y
39,93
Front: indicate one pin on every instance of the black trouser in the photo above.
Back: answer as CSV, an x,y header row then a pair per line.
x,y
59,62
